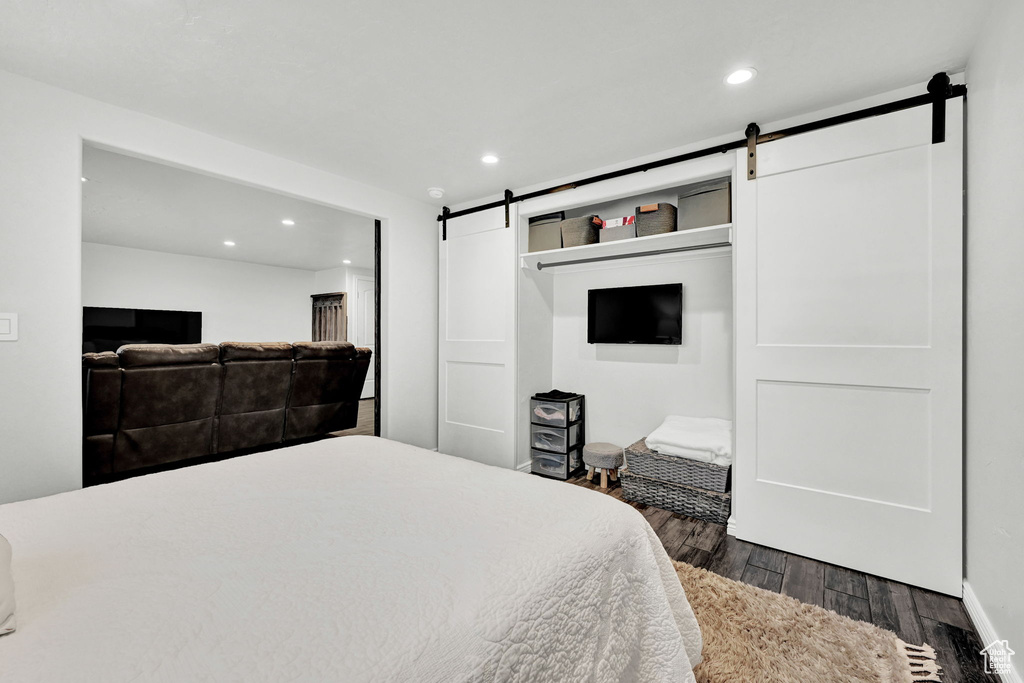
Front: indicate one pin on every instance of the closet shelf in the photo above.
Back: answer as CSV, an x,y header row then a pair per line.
x,y
652,245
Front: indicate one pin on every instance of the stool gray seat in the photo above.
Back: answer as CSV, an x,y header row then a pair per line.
x,y
606,457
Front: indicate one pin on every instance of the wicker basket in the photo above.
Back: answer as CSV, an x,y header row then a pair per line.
x,y
703,475
709,506
579,231
655,221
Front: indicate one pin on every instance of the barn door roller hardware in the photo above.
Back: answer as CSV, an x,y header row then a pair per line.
x,y
509,197
446,213
753,130
939,90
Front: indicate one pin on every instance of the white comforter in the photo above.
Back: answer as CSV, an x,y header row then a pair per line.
x,y
351,559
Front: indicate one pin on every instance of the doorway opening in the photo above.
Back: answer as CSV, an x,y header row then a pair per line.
x,y
175,256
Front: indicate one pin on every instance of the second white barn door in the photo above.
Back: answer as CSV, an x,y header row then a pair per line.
x,y
476,328
849,314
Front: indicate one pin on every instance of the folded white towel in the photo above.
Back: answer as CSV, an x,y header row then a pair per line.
x,y
707,439
7,622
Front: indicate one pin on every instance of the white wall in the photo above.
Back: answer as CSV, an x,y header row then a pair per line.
x,y
239,301
995,324
631,388
41,134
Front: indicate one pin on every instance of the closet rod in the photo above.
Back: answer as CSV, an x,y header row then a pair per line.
x,y
938,90
613,257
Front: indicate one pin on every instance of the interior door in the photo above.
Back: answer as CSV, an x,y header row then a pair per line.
x,y
364,324
849,310
476,381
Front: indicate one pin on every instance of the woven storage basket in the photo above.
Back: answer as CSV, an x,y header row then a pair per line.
x,y
704,475
657,222
709,506
579,231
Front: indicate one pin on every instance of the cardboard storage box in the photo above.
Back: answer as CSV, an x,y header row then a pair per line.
x,y
705,204
545,232
619,232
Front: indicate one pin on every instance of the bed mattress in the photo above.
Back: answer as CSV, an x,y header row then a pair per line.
x,y
348,559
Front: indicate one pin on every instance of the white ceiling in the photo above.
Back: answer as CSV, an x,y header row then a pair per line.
x,y
129,202
407,95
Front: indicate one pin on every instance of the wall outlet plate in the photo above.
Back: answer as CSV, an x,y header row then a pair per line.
x,y
8,327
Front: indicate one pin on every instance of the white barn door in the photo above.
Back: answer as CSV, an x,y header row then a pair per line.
x,y
476,375
849,310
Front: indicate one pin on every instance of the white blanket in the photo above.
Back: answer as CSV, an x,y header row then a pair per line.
x,y
707,439
351,559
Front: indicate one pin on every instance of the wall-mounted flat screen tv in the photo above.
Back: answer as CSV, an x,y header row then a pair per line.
x,y
107,329
649,314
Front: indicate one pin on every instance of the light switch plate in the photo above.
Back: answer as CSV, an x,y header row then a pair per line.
x,y
8,327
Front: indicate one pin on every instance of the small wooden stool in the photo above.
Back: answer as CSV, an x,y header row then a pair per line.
x,y
605,457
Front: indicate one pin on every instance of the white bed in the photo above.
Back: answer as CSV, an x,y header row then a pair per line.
x,y
351,559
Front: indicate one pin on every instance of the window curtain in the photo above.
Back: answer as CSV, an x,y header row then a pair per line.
x,y
330,319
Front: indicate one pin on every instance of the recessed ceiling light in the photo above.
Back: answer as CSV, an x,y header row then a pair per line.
x,y
287,221
346,262
228,243
435,192
489,159
741,75
84,179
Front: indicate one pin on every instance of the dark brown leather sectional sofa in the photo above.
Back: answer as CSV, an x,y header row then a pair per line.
x,y
151,405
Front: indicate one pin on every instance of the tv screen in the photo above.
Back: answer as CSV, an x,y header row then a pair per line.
x,y
650,314
107,329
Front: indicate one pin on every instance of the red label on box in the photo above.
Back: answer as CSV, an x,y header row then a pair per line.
x,y
619,222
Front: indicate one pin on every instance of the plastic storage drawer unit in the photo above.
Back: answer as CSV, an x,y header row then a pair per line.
x,y
555,439
557,433
556,465
556,413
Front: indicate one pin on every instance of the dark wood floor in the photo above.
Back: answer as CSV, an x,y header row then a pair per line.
x,y
364,425
914,614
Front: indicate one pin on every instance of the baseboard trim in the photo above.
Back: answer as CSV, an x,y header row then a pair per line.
x,y
525,467
986,632
730,526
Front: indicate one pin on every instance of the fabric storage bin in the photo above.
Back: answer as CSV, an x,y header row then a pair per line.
x,y
556,465
655,219
704,204
557,413
577,232
709,506
546,232
643,461
557,439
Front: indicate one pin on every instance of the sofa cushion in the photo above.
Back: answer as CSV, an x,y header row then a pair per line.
x,y
236,351
141,355
323,350
153,396
255,385
105,359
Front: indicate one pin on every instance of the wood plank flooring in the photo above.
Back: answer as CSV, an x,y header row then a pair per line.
x,y
914,614
364,423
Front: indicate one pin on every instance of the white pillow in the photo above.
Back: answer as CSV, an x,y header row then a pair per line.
x,y
7,622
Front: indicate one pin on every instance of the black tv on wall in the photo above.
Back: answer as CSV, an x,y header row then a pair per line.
x,y
649,314
107,329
